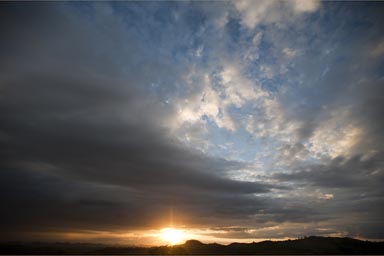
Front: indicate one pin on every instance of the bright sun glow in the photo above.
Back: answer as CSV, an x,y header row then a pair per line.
x,y
172,236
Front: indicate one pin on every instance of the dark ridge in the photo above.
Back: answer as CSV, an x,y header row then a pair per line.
x,y
309,245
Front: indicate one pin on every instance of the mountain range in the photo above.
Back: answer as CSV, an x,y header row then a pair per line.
x,y
309,245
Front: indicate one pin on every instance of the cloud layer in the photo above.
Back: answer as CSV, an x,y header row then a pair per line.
x,y
245,119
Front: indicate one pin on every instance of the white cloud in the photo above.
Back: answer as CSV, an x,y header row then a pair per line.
x,y
305,5
197,104
257,38
289,52
335,136
269,11
269,122
199,51
251,53
239,89
221,21
203,101
233,89
267,71
254,12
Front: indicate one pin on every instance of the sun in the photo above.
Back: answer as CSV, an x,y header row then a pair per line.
x,y
172,236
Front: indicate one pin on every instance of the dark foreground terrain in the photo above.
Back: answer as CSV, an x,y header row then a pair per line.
x,y
309,245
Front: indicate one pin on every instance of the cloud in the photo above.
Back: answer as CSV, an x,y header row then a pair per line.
x,y
339,172
379,50
76,126
305,6
214,100
253,13
125,111
326,196
290,53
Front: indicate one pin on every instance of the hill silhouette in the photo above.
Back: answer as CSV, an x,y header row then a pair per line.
x,y
310,245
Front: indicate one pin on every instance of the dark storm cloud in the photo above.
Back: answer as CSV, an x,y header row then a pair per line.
x,y
352,172
41,201
82,143
355,186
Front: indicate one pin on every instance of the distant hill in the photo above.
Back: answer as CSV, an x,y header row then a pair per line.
x,y
310,246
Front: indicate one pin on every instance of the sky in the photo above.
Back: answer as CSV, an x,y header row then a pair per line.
x,y
226,120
